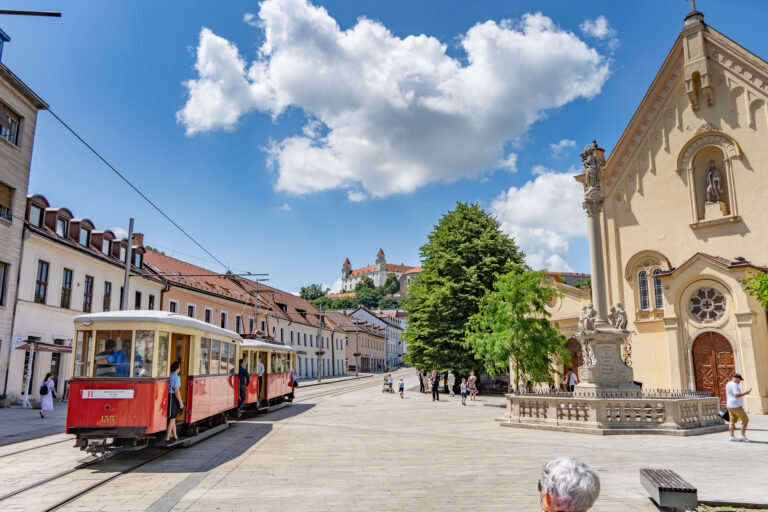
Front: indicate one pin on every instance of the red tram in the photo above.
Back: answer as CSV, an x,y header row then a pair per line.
x,y
119,391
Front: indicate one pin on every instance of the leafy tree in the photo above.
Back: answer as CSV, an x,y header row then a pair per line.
x,y
512,324
463,256
364,282
345,303
312,292
368,297
323,301
757,286
391,285
388,303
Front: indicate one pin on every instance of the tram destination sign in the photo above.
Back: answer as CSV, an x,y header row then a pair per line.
x,y
106,393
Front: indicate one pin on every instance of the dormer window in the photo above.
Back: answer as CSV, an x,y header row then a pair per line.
x,y
106,246
282,307
123,252
85,237
36,215
62,227
137,260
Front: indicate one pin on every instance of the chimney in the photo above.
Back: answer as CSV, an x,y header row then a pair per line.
x,y
4,38
138,239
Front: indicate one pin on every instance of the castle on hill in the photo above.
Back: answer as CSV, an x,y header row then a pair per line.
x,y
377,272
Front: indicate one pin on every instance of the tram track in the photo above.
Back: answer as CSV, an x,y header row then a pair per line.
x,y
36,447
339,388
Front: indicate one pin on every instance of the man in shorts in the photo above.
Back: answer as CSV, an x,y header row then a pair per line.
x,y
735,404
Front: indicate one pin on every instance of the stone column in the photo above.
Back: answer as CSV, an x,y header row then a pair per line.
x,y
593,204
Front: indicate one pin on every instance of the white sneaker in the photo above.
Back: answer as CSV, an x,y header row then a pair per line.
x,y
734,439
743,439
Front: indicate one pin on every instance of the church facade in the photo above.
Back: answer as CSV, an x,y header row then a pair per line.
x,y
684,220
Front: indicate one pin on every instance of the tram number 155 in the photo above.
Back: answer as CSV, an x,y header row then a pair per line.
x,y
107,419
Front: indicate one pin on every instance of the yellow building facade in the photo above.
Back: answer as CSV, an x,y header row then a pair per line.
x,y
684,219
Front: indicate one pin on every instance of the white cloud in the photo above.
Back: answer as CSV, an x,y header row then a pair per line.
x,y
285,207
334,288
544,215
509,163
397,113
558,148
355,196
600,29
539,169
120,232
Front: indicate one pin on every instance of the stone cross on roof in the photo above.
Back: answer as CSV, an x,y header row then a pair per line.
x,y
693,5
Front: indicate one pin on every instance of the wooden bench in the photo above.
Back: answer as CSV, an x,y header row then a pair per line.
x,y
668,489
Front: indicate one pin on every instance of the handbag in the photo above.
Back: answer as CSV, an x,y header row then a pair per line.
x,y
43,389
724,414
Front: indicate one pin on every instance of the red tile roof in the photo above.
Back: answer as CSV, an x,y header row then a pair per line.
x,y
399,269
340,295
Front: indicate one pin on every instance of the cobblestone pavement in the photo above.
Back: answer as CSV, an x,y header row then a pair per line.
x,y
369,450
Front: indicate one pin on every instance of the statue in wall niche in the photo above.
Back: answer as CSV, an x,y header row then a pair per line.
x,y
583,319
714,184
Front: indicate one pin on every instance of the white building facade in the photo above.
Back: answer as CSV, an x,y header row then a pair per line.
x,y
67,268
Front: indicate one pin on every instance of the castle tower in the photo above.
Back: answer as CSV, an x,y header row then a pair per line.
x,y
381,261
346,269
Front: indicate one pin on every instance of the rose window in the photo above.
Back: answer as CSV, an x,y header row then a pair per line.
x,y
707,305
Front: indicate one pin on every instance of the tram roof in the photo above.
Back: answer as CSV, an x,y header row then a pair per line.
x,y
251,343
156,316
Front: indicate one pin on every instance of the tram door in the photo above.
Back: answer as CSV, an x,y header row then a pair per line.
x,y
263,382
180,353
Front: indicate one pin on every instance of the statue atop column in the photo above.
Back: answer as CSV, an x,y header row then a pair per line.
x,y
714,184
590,161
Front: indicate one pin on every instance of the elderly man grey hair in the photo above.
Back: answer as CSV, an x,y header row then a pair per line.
x,y
567,484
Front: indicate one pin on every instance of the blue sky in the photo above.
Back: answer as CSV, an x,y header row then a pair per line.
x,y
356,162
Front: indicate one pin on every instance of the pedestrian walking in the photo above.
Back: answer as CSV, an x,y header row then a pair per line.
x,y
435,379
521,386
175,402
401,386
421,382
451,383
463,388
472,386
244,379
570,380
389,383
47,392
735,404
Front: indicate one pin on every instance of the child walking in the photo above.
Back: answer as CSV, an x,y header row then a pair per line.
x,y
463,391
401,387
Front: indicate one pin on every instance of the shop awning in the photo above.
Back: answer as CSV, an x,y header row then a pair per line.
x,y
41,346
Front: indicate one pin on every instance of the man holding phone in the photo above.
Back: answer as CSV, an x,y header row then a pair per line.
x,y
735,404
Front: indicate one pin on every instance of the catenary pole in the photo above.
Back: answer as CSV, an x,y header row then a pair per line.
x,y
126,282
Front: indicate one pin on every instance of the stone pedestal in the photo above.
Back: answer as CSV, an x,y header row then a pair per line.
x,y
715,210
604,370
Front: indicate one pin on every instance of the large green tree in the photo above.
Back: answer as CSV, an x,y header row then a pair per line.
x,y
388,303
345,303
464,254
364,282
312,292
392,285
512,324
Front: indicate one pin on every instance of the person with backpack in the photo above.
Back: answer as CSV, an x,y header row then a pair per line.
x,y
47,392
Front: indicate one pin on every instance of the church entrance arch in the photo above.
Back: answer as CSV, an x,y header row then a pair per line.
x,y
713,363
574,347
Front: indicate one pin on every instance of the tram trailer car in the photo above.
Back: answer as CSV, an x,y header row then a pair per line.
x,y
118,396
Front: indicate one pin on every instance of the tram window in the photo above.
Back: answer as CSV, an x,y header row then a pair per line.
x,y
224,357
232,365
142,360
113,353
205,354
162,354
215,354
82,350
272,363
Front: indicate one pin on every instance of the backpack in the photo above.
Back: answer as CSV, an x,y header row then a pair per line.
x,y
43,389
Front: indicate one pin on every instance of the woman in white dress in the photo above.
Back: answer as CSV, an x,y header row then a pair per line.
x,y
46,400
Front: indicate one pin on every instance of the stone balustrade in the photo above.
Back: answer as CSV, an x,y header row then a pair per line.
x,y
660,413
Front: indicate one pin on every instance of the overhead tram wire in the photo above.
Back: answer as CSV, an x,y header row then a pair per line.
x,y
148,200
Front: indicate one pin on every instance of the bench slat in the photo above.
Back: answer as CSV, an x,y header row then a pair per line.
x,y
667,480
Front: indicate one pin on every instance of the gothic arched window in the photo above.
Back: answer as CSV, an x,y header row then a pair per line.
x,y
658,295
642,291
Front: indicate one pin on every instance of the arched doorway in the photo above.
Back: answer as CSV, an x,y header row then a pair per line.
x,y
574,347
713,364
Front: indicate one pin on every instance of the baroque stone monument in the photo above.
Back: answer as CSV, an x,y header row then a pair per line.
x,y
604,370
607,400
